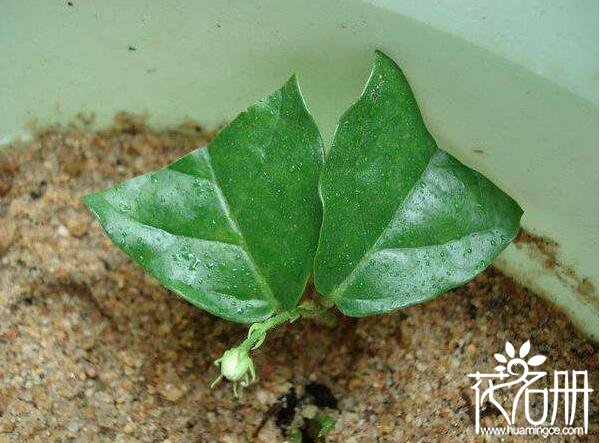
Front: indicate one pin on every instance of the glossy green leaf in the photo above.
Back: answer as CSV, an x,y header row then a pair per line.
x,y
403,221
232,227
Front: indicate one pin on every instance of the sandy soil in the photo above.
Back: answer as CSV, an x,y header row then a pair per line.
x,y
92,349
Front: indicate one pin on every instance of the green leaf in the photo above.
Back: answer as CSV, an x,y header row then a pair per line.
x,y
403,221
232,227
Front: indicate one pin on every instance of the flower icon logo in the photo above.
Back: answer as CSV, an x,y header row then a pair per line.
x,y
536,360
516,375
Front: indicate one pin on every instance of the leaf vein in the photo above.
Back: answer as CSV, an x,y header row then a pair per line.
x,y
225,205
483,231
143,223
344,284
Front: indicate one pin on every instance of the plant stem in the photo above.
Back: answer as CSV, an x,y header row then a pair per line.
x,y
236,364
257,331
309,309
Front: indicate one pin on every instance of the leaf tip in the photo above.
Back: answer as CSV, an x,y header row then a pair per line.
x,y
386,71
292,88
88,200
292,83
94,202
379,54
382,59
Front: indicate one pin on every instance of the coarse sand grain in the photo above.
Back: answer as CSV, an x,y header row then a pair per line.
x,y
93,349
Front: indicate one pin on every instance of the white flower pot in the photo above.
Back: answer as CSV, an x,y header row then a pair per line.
x,y
509,87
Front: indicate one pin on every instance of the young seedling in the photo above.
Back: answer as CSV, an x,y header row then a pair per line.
x,y
386,221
